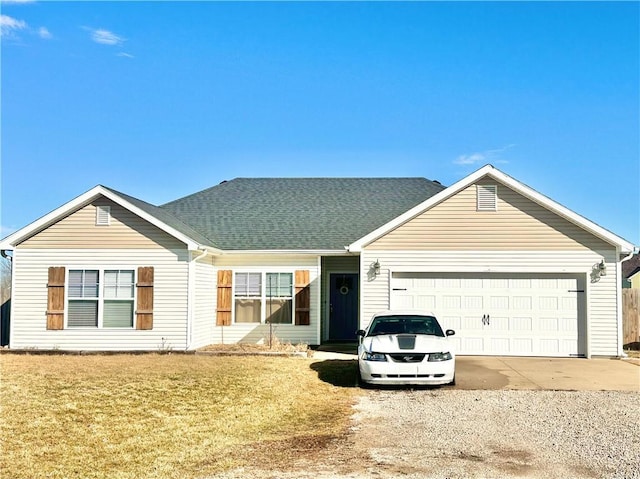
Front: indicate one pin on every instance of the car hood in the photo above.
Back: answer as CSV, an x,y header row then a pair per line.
x,y
399,343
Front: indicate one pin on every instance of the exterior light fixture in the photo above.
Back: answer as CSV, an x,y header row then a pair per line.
x,y
598,270
602,267
376,267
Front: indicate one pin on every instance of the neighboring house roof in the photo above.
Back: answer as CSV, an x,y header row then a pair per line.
x,y
631,267
298,213
490,171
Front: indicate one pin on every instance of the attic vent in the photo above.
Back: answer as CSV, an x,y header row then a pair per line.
x,y
103,215
487,197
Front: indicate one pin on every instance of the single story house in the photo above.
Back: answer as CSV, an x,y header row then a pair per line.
x,y
311,259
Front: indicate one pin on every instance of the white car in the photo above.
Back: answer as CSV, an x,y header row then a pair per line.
x,y
406,347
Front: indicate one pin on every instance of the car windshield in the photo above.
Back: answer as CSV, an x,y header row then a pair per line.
x,y
405,324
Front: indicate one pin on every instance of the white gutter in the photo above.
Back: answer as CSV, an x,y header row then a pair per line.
x,y
191,281
288,252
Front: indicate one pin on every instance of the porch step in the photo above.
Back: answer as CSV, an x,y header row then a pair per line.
x,y
341,347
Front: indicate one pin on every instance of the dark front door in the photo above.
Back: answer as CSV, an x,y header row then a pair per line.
x,y
343,306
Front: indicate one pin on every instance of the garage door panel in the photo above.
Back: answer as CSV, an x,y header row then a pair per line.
x,y
549,346
499,302
498,313
549,325
548,303
519,324
524,346
501,345
499,323
472,302
521,302
450,302
427,302
473,345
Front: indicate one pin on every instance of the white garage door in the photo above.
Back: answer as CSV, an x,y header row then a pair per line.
x,y
514,315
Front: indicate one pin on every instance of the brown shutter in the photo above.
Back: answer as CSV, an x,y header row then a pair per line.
x,y
225,282
303,298
55,298
144,291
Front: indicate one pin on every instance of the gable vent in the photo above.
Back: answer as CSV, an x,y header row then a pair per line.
x,y
103,215
487,197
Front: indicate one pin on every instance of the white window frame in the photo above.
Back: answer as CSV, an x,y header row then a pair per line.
x,y
102,212
101,296
263,295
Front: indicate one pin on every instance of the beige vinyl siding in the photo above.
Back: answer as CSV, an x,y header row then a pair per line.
x,y
517,224
79,230
600,323
29,302
259,333
205,303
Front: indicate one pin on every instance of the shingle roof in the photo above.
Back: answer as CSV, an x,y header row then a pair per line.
x,y
297,213
631,266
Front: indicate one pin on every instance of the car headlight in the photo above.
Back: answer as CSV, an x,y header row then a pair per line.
x,y
440,356
368,356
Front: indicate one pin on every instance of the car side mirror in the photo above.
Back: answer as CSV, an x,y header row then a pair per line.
x,y
450,332
360,332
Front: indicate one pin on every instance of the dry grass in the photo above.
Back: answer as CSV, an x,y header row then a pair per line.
x,y
160,416
276,345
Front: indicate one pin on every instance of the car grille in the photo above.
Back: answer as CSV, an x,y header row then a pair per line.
x,y
407,358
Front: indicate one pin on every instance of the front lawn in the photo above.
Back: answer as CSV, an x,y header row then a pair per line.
x,y
160,416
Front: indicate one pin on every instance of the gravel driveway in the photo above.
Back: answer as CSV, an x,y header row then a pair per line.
x,y
448,433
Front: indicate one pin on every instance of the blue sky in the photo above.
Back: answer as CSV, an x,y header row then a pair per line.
x,y
163,99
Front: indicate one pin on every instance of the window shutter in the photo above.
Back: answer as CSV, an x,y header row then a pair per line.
x,y
303,298
225,282
144,289
55,298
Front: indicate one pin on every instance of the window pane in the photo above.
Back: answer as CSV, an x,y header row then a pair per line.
x,y
75,284
279,285
83,283
255,284
82,314
279,311
247,311
118,284
248,284
118,314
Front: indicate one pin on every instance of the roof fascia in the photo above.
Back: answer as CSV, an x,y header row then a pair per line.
x,y
84,199
579,220
294,252
530,193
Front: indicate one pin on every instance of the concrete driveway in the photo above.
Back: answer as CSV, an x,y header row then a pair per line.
x,y
555,374
570,374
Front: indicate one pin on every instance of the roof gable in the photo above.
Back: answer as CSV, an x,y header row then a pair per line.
x,y
142,209
489,171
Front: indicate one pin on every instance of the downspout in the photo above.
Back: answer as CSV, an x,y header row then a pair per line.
x,y
621,352
191,296
11,289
